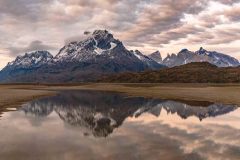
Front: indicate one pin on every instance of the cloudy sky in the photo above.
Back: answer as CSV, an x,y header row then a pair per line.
x,y
147,25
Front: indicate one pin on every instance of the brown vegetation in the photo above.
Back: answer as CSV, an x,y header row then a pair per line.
x,y
198,72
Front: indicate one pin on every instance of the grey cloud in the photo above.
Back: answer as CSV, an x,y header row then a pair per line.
x,y
33,46
76,38
137,23
228,1
233,14
23,9
216,37
161,17
162,29
198,141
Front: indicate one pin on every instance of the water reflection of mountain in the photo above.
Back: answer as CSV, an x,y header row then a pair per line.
x,y
101,112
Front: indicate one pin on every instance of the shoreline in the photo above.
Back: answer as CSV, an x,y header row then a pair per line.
x,y
11,97
216,93
15,95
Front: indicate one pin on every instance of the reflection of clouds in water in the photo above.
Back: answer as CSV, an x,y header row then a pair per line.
x,y
59,143
134,140
150,129
209,141
152,142
99,113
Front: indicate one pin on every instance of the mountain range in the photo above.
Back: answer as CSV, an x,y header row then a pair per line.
x,y
185,56
98,55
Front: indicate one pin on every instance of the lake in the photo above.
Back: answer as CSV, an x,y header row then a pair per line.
x,y
97,125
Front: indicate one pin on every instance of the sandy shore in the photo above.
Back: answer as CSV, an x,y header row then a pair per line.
x,y
13,95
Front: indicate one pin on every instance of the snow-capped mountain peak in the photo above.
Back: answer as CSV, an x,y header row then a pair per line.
x,y
201,50
104,40
32,59
97,43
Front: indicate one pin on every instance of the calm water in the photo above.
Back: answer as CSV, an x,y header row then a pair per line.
x,y
101,125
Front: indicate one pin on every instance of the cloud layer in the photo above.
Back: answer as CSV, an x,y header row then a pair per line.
x,y
147,25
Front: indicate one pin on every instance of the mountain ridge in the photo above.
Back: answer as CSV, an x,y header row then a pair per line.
x,y
186,56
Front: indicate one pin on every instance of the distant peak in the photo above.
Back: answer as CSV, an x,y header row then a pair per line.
x,y
184,50
171,55
156,56
137,51
201,50
156,53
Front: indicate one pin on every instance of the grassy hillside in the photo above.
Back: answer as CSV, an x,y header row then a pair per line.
x,y
199,72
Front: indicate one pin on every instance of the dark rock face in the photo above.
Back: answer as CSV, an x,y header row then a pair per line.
x,y
87,60
185,56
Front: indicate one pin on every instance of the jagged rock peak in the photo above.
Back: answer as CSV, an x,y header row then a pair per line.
x,y
103,39
201,50
156,56
156,53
